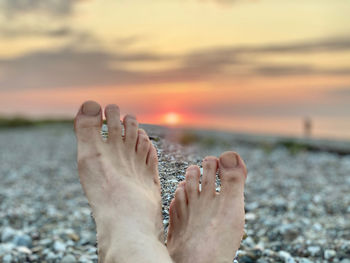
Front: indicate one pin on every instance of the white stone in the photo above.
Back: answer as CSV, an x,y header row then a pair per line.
x,y
314,250
250,216
329,253
24,250
59,246
286,257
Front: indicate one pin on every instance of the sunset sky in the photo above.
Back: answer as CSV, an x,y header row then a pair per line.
x,y
246,65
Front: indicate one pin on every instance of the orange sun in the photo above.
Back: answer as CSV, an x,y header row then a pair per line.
x,y
171,118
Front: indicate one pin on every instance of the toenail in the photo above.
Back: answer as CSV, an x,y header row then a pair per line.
x,y
131,116
112,107
91,108
231,161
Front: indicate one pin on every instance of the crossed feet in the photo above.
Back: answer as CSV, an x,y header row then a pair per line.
x,y
120,179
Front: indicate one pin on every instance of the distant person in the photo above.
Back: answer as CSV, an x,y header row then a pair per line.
x,y
307,127
120,180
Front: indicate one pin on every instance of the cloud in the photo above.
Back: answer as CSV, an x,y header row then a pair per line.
x,y
275,108
128,41
20,32
68,67
13,8
300,70
81,64
331,44
328,44
227,2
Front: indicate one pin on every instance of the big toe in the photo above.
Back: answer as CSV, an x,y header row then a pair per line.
x,y
232,173
88,120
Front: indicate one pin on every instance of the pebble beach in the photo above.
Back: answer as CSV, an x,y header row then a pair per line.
x,y
297,202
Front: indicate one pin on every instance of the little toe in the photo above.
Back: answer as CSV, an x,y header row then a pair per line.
x,y
192,183
131,130
112,113
88,121
181,201
142,147
210,166
232,172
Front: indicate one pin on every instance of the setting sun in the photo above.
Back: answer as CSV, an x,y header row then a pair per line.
x,y
171,118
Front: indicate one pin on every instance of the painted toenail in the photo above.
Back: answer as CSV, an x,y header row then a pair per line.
x,y
91,108
230,161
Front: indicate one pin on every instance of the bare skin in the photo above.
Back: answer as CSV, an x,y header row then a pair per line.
x,y
207,227
120,180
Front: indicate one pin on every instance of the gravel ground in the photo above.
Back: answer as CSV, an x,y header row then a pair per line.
x,y
298,205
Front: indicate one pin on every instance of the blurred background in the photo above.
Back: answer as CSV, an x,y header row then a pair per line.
x,y
263,66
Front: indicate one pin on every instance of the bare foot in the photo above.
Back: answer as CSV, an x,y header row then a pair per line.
x,y
120,180
206,227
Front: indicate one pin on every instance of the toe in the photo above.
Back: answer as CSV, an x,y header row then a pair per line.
x,y
180,201
88,121
173,219
112,113
210,166
192,183
142,147
152,158
142,131
131,130
233,173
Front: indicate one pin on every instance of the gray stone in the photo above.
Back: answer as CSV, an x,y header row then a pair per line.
x,y
45,242
51,257
248,242
68,259
289,231
7,234
87,238
7,258
84,259
286,257
5,248
304,260
22,240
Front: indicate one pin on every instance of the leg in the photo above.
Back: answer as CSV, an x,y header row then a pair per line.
x,y
120,180
206,227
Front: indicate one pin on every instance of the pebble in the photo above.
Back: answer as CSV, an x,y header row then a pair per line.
x,y
290,217
314,250
58,246
24,250
22,240
68,259
7,234
328,254
284,255
84,259
250,216
304,260
7,258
